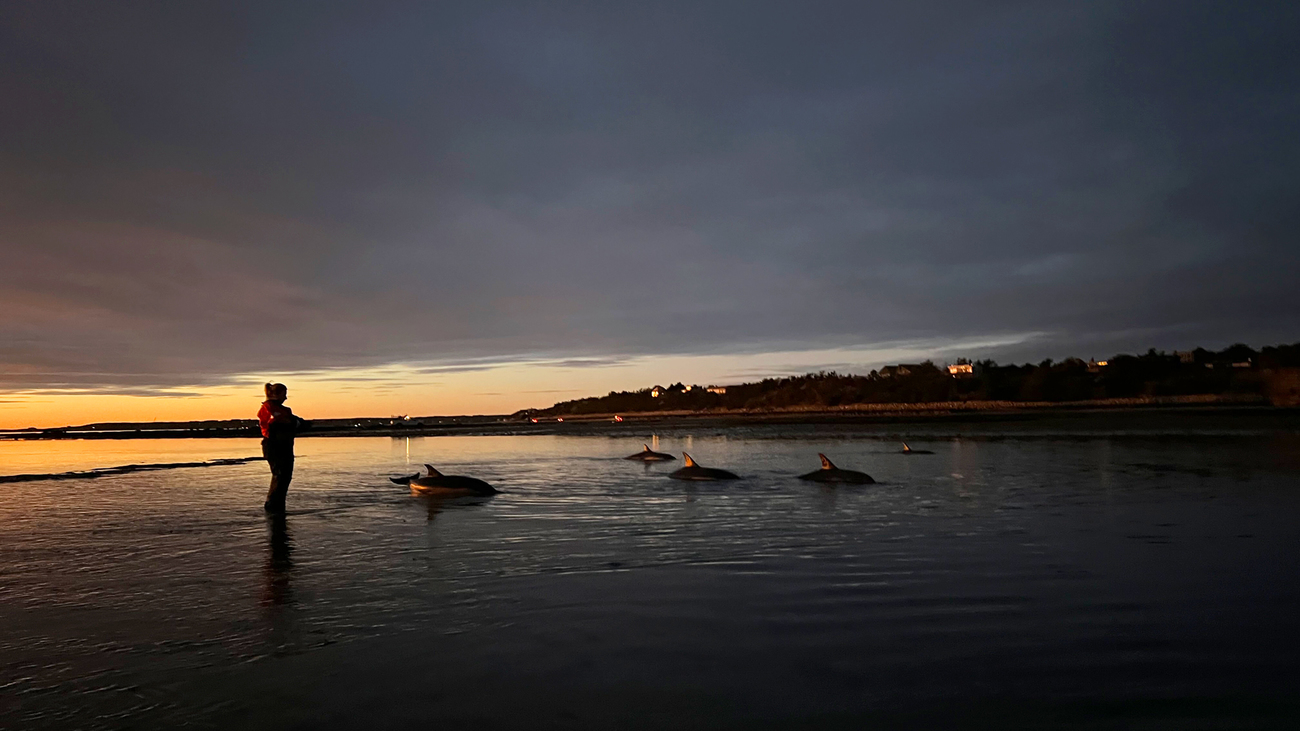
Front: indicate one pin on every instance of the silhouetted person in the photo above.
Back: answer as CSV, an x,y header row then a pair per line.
x,y
279,426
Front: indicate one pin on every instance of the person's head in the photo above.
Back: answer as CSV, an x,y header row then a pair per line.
x,y
276,392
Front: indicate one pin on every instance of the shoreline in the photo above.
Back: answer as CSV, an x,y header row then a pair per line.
x,y
945,407
943,411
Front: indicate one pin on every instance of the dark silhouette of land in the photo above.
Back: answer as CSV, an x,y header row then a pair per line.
x,y
1237,374
1235,377
248,428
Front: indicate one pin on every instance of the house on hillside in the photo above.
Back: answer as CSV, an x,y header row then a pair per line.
x,y
716,389
656,392
902,369
961,370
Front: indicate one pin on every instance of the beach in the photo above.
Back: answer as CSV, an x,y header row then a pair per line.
x,y
1084,571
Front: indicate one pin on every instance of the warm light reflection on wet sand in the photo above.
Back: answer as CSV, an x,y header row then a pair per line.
x,y
24,456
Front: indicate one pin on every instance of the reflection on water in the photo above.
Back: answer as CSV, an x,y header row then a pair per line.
x,y
435,504
1073,578
279,562
283,630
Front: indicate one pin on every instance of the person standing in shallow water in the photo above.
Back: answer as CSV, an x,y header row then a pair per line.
x,y
279,427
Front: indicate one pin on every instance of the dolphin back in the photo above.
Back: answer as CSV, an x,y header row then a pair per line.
x,y
837,475
452,483
649,455
693,471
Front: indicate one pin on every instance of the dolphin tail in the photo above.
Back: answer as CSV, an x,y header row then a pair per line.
x,y
689,462
433,472
826,463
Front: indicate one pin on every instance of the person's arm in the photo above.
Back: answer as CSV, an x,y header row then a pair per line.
x,y
282,422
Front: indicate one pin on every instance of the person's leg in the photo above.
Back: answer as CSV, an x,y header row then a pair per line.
x,y
269,455
286,475
274,496
275,460
281,459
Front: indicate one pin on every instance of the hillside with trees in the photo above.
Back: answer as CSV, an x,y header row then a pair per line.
x,y
1235,370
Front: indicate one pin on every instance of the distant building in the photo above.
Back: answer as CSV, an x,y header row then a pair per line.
x,y
1095,366
1186,356
656,392
961,370
902,369
716,389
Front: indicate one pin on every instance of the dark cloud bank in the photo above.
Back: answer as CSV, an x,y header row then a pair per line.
x,y
190,191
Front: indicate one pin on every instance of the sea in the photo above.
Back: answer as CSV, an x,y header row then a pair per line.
x,y
1082,571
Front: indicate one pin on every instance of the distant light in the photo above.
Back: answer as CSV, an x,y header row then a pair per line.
x,y
1102,362
534,421
617,417
559,418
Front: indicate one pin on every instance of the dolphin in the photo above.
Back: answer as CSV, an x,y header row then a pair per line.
x,y
830,473
692,471
909,450
649,455
436,483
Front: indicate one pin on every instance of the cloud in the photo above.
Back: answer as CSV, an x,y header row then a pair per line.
x,y
450,188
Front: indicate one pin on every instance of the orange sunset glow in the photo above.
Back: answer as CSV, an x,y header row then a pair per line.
x,y
485,389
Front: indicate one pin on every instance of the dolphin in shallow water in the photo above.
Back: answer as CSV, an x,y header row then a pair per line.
x,y
909,450
692,471
830,473
649,455
436,483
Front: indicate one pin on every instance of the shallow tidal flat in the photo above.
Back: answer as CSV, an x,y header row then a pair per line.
x,y
1079,574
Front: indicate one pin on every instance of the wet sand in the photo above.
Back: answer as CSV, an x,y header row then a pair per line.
x,y
125,469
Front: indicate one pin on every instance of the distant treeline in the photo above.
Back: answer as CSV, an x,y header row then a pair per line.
x,y
1235,370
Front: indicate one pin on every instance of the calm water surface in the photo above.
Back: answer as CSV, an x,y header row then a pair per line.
x,y
1137,580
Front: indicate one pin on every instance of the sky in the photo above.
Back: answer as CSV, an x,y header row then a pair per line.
x,y
442,208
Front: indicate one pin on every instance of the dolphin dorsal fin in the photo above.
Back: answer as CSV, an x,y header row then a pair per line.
x,y
647,447
826,463
689,462
433,472
906,448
